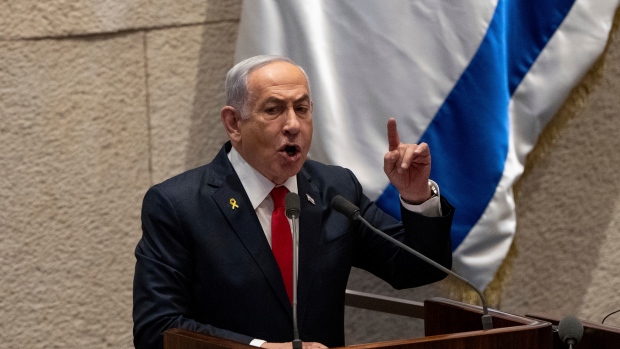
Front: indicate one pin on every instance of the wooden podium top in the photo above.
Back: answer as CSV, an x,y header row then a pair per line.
x,y
177,338
448,324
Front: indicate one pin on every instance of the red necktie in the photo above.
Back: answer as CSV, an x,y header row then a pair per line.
x,y
282,239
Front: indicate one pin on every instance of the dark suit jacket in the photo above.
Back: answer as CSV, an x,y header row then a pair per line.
x,y
204,266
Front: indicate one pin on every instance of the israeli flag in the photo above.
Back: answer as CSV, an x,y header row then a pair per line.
x,y
475,79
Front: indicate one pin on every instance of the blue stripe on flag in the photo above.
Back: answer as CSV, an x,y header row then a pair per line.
x,y
469,135
532,23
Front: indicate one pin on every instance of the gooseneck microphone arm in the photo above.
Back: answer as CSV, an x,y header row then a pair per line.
x,y
348,209
293,209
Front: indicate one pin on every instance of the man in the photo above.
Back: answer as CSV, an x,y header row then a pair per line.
x,y
205,261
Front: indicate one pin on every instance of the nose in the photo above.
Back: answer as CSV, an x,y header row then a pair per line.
x,y
291,122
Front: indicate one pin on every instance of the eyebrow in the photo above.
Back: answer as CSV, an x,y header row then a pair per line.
x,y
303,98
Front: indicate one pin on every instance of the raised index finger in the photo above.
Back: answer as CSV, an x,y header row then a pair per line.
x,y
392,130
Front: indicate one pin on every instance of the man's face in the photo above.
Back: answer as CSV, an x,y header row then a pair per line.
x,y
275,136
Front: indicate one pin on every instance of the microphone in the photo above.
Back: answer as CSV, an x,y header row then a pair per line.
x,y
292,209
292,205
345,207
351,211
570,330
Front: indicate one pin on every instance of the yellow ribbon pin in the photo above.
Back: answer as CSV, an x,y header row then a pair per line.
x,y
233,203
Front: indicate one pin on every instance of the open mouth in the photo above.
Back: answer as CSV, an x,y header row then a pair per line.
x,y
291,150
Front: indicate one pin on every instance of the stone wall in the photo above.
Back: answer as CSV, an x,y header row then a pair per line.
x,y
100,100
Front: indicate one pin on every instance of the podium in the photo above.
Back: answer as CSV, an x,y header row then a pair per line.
x,y
447,324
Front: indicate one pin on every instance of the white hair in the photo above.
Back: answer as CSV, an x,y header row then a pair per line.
x,y
237,80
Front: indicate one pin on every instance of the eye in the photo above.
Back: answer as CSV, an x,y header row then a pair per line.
x,y
272,110
302,110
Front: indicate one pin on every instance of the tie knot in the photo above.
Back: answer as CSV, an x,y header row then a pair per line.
x,y
278,194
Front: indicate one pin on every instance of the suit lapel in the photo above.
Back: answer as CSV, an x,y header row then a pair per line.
x,y
235,205
310,220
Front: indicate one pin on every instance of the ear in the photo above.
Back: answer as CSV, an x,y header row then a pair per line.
x,y
230,119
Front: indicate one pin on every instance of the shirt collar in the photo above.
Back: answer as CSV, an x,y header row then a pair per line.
x,y
255,184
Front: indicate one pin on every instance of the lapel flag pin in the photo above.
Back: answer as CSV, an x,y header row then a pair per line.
x,y
233,203
310,199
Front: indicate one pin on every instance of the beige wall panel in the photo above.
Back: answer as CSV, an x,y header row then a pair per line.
x,y
602,294
35,18
603,109
567,213
186,71
73,170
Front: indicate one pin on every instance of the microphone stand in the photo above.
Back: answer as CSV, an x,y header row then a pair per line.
x,y
351,211
293,209
297,344
487,320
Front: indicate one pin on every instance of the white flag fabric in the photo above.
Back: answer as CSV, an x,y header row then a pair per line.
x,y
476,79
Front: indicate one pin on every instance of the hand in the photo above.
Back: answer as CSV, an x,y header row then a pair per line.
x,y
289,345
407,166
